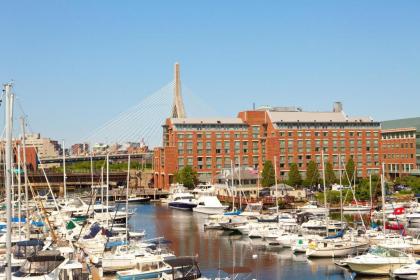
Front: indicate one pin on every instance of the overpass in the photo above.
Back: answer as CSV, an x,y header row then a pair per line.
x,y
147,156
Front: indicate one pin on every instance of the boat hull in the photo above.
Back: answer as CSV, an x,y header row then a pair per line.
x,y
209,210
182,205
373,269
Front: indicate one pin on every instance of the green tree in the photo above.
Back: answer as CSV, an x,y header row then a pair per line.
x,y
294,176
330,177
312,174
268,177
187,176
350,172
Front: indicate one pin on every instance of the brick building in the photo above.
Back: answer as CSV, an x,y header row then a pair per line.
x,y
287,133
401,147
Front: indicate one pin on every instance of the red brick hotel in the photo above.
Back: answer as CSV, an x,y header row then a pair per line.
x,y
287,133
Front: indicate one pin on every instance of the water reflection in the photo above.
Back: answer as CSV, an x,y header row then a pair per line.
x,y
220,249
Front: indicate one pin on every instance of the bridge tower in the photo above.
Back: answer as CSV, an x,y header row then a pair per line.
x,y
178,110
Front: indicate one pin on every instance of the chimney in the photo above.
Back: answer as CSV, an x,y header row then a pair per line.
x,y
338,107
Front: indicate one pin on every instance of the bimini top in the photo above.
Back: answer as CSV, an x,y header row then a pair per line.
x,y
32,242
45,256
181,261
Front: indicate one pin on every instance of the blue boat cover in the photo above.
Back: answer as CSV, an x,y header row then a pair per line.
x,y
109,245
37,224
94,229
32,242
338,235
16,220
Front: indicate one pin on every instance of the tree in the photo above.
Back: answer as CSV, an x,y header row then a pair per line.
x,y
187,176
294,176
312,174
268,177
350,172
329,174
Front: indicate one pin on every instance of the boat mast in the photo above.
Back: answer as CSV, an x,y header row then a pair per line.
x,y
341,190
275,181
383,195
370,191
240,184
107,189
325,190
64,173
8,181
22,124
102,189
233,193
126,199
19,194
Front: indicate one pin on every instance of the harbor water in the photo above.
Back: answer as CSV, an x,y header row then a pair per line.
x,y
218,250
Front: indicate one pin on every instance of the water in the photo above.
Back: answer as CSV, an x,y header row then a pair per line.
x,y
219,249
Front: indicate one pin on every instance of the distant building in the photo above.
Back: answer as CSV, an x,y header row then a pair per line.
x,y
80,149
401,147
45,147
287,134
100,148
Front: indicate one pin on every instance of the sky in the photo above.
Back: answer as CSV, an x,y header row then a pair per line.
x,y
78,64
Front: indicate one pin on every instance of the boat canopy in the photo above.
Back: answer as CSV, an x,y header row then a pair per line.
x,y
32,242
181,261
339,234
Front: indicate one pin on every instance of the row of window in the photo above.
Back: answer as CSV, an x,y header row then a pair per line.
x,y
372,125
399,135
367,134
398,145
403,156
326,142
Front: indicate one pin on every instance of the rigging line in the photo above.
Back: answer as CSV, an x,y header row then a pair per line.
x,y
133,123
126,128
118,125
132,110
145,126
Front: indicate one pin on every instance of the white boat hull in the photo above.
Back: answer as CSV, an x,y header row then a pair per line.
x,y
209,210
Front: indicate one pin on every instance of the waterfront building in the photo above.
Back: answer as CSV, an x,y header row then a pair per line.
x,y
401,147
45,147
80,149
283,135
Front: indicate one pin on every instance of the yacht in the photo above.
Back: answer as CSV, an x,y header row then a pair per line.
x,y
379,261
146,268
408,271
203,189
43,266
312,207
210,205
183,201
332,248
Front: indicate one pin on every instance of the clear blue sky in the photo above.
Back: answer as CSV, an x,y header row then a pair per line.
x,y
77,64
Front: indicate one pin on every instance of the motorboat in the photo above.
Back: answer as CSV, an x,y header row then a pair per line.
x,y
146,268
213,222
183,268
203,189
44,265
252,209
333,248
408,271
357,208
132,198
210,205
183,201
379,261
312,207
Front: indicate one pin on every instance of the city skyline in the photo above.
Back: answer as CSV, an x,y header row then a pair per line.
x,y
84,63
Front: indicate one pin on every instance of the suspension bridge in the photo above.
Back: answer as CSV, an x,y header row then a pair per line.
x,y
144,121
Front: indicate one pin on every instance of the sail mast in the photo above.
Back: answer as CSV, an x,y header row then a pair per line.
x,y
25,176
325,190
126,199
64,173
8,181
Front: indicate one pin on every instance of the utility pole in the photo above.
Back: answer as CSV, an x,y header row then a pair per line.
x,y
8,182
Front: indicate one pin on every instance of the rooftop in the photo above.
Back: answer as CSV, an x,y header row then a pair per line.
x,y
206,121
319,117
402,123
